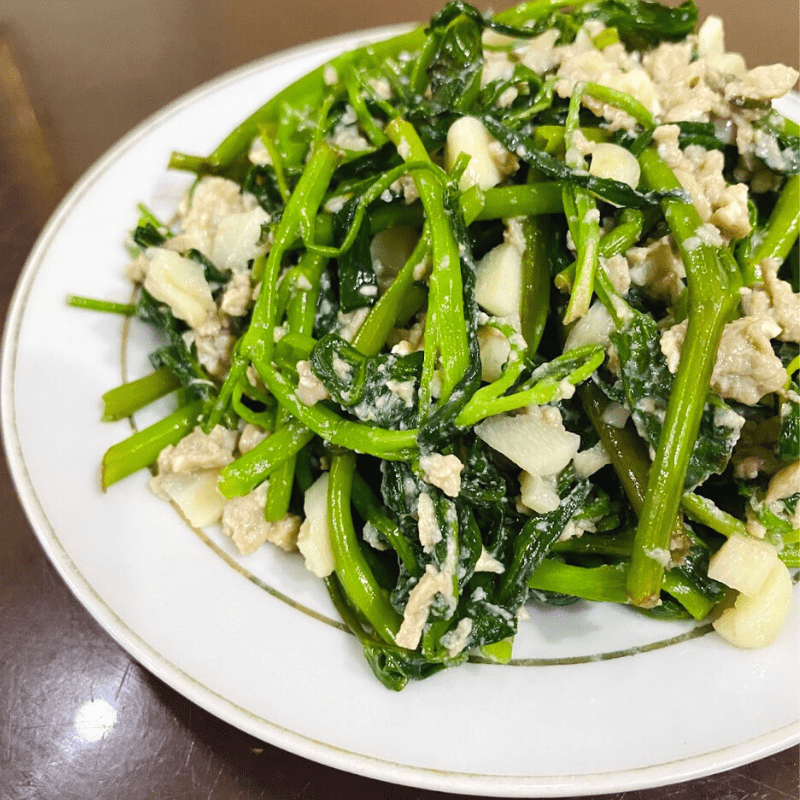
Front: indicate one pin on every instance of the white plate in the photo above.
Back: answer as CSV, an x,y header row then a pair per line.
x,y
600,699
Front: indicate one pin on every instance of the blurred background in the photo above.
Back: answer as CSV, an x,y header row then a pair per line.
x,y
94,68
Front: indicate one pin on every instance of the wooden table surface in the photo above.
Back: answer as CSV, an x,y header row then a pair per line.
x,y
74,77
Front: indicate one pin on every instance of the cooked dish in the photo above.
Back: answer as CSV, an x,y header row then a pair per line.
x,y
500,312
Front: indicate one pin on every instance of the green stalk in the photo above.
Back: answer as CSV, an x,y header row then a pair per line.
x,y
249,470
369,196
583,219
286,133
183,162
332,427
107,306
445,300
124,400
682,589
584,223
631,463
780,233
625,102
527,12
713,286
520,200
300,313
478,405
355,576
291,348
605,583
277,163
307,92
371,336
264,419
380,655
299,217
627,451
381,217
617,544
499,202
282,480
142,448
550,138
490,400
369,508
618,308
418,80
702,510
415,299
236,373
606,38
633,222
354,94
535,299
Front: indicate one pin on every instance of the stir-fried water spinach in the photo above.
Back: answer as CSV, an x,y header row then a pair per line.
x,y
445,313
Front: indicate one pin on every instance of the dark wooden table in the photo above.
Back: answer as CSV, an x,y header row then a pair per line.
x,y
74,77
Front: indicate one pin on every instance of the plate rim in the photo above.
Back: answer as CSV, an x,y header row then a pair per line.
x,y
675,771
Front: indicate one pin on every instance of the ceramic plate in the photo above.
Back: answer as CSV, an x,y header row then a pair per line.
x,y
598,699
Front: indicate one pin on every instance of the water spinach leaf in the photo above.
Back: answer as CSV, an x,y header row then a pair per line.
x,y
648,383
380,389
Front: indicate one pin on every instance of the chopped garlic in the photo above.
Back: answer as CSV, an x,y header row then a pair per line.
x,y
498,280
206,205
532,443
238,239
538,494
489,162
181,284
743,563
194,493
495,349
756,620
615,162
313,539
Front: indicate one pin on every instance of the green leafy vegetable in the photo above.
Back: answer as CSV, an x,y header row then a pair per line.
x,y
412,281
648,386
380,389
